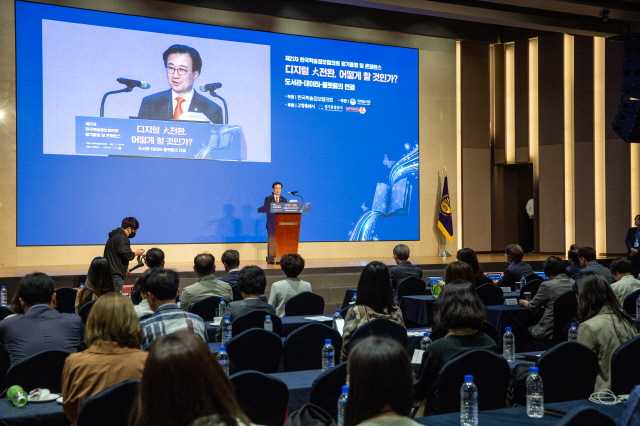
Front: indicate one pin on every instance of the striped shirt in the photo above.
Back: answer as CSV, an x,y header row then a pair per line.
x,y
169,319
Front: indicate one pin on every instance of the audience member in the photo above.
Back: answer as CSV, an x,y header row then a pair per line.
x,y
113,336
468,256
99,281
375,300
281,291
204,265
41,327
154,258
380,384
458,270
459,310
231,261
516,269
161,286
118,250
558,283
632,241
403,268
574,261
588,261
182,382
621,270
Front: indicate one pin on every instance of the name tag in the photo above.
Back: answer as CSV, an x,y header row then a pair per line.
x,y
417,356
510,301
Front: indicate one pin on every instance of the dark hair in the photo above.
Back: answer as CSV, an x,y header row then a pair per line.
x,y
204,263
573,256
36,288
621,266
636,218
169,377
574,247
374,288
130,222
469,256
594,293
292,264
251,280
154,257
276,183
184,50
99,281
459,306
515,252
380,374
402,251
587,253
553,266
231,258
459,270
162,283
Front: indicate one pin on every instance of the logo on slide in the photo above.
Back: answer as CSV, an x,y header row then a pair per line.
x,y
363,110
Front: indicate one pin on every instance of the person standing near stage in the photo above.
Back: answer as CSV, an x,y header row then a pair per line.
x,y
633,242
118,252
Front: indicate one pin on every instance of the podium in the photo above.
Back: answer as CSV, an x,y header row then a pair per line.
x,y
283,228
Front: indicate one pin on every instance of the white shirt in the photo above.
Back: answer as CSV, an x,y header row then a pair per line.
x,y
281,291
529,207
187,101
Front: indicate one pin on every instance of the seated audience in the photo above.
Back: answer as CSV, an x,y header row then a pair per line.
x,y
558,283
604,326
154,258
231,261
380,384
468,256
41,327
574,261
403,268
168,395
588,262
458,270
281,291
621,270
459,310
204,265
516,269
161,286
113,336
99,281
375,300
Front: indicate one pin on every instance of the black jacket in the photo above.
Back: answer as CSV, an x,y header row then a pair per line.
x,y
118,252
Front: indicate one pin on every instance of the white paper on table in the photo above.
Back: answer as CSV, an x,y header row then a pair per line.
x,y
340,325
417,356
319,318
506,289
216,321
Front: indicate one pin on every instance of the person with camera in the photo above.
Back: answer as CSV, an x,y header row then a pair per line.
x,y
118,252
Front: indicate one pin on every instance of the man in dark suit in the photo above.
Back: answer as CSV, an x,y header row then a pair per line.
x,y
404,268
275,197
183,64
516,269
231,262
41,327
588,262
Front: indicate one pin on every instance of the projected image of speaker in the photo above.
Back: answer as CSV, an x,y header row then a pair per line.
x,y
626,123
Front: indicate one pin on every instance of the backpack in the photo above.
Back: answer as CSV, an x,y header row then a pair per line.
x,y
310,415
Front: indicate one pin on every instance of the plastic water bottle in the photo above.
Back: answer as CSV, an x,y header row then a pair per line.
x,y
327,355
573,333
522,283
336,317
268,324
17,395
425,342
226,330
509,345
3,296
222,307
535,396
342,404
81,286
353,299
468,403
223,359
637,306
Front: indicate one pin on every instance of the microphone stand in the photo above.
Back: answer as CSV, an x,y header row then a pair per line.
x,y
301,199
226,112
126,89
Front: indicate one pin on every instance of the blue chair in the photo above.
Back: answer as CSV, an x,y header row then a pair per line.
x,y
625,368
304,303
206,308
383,328
40,370
490,294
255,319
327,387
66,300
263,398
85,310
109,407
255,349
411,286
302,349
585,416
565,309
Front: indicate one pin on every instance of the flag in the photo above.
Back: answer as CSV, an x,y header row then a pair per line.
x,y
445,223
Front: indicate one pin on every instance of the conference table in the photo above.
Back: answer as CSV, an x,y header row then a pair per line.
x,y
514,316
289,324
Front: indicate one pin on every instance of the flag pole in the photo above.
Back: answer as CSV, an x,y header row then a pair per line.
x,y
444,252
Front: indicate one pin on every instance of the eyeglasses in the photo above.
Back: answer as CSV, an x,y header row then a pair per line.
x,y
181,71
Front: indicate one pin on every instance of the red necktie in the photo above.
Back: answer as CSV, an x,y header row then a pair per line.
x,y
277,199
178,111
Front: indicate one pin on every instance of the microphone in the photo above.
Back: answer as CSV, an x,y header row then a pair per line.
x,y
293,192
209,87
134,83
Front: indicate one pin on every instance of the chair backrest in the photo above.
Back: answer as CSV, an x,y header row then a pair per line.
x,y
383,328
411,286
491,331
625,368
490,294
255,319
5,312
565,308
206,308
263,398
40,370
327,387
491,374
564,378
66,300
85,310
302,349
305,303
255,349
109,407
530,287
585,416
531,277
629,303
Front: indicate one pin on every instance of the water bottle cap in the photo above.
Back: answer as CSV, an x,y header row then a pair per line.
x,y
426,334
337,311
573,324
223,349
345,388
327,341
222,299
468,378
4,288
227,318
533,370
268,317
508,328
355,294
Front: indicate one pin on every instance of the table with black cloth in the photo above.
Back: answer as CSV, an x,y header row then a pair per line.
x,y
348,295
32,414
518,415
516,317
299,385
289,324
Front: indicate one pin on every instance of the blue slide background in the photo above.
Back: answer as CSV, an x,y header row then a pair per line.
x,y
334,159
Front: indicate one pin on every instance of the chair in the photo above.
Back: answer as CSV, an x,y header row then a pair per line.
x,y
206,308
565,308
85,310
491,374
327,387
383,328
66,300
491,331
302,349
490,294
411,286
263,398
305,303
255,349
40,370
629,303
564,378
531,277
625,369
255,319
530,287
109,407
585,416
5,312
